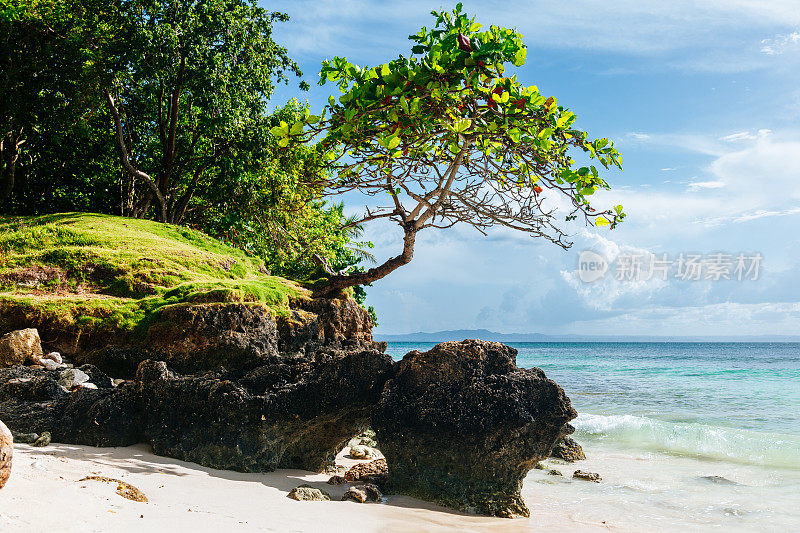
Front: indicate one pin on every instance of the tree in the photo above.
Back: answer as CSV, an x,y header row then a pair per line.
x,y
197,78
451,139
55,156
44,45
263,201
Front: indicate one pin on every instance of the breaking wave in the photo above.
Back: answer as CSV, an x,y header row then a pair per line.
x,y
699,440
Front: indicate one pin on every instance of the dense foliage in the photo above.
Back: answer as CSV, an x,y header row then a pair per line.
x,y
158,109
451,138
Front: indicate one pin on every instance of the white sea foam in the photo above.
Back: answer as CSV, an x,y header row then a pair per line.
x,y
730,444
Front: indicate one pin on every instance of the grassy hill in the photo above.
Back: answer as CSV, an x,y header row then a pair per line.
x,y
90,270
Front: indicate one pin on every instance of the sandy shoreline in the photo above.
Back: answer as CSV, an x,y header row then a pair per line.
x,y
44,494
639,492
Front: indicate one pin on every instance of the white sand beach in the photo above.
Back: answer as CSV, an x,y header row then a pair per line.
x,y
45,494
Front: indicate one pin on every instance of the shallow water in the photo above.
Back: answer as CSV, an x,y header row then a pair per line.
x,y
688,436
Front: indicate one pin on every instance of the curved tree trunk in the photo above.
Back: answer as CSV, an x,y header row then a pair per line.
x,y
128,165
338,282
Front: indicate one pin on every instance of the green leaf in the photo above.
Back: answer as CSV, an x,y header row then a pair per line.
x,y
460,126
297,128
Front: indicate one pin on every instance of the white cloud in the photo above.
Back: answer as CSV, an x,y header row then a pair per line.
x,y
603,294
702,144
700,185
758,179
715,35
780,43
746,135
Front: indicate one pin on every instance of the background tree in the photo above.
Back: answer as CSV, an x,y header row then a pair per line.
x,y
48,66
446,137
195,87
265,202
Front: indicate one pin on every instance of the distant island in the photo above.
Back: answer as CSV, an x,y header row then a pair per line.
x,y
485,334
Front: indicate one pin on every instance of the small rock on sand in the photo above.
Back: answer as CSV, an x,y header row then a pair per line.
x,y
307,493
25,438
588,476
126,490
363,493
72,377
43,440
361,452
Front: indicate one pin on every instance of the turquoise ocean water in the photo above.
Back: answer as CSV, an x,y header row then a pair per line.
x,y
733,402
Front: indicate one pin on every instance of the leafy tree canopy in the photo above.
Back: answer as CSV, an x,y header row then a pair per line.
x,y
193,91
451,138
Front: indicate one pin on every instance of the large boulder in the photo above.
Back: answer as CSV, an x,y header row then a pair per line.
x,y
461,425
291,413
19,347
6,453
196,338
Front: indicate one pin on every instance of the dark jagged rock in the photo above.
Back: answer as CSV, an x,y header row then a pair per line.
x,y
568,450
587,476
97,376
193,338
31,401
295,414
363,493
337,323
461,425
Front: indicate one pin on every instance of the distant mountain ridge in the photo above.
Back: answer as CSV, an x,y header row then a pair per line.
x,y
485,334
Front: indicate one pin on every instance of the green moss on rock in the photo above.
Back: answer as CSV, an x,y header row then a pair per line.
x,y
103,273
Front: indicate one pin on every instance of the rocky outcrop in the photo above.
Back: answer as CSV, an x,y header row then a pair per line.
x,y
461,425
291,413
235,389
568,450
32,401
196,338
6,453
20,347
193,338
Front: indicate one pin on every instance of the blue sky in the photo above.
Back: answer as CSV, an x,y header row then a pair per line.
x,y
703,101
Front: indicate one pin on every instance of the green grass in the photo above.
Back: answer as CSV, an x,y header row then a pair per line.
x,y
100,271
